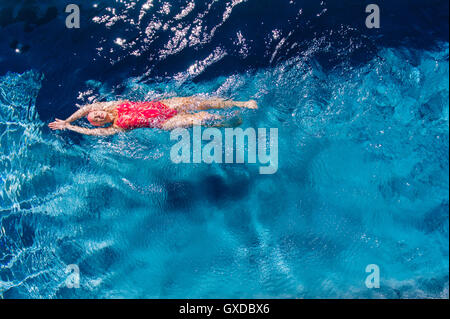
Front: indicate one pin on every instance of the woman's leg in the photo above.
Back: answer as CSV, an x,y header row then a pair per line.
x,y
193,103
188,120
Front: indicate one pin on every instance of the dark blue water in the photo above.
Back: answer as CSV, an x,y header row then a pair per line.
x,y
363,151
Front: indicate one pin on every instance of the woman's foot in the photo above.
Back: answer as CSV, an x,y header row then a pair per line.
x,y
251,104
248,105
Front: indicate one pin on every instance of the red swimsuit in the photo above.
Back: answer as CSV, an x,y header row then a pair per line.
x,y
131,115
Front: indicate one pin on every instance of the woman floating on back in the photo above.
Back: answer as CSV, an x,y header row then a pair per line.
x,y
165,114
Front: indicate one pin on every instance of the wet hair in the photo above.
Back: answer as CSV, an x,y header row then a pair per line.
x,y
94,123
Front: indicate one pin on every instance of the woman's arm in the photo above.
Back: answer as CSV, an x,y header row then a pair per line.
x,y
62,125
81,113
96,131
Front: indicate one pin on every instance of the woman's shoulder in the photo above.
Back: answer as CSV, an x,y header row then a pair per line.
x,y
111,106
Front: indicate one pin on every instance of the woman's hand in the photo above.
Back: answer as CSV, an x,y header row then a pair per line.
x,y
58,125
104,131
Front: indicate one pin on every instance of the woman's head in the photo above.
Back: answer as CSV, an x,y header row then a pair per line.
x,y
98,118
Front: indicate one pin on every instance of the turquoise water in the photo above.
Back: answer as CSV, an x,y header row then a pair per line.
x,y
362,179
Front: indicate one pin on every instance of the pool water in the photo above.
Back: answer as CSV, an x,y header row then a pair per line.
x,y
363,154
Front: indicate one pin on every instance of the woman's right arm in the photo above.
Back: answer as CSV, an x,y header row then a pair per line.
x,y
103,131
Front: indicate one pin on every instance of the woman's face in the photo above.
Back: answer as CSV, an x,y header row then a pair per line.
x,y
98,118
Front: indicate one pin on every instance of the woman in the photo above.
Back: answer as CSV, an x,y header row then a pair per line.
x,y
166,114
